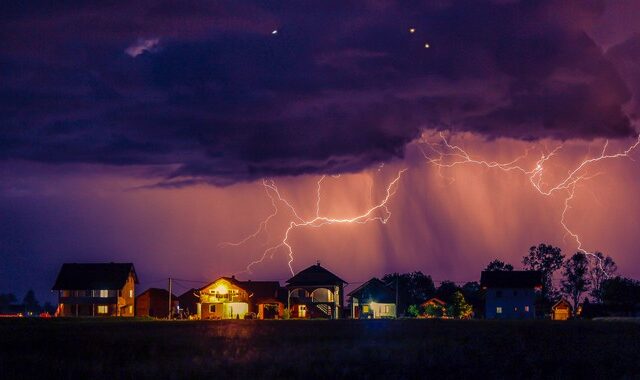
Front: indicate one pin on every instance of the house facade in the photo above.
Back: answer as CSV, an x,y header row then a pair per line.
x,y
93,290
372,300
315,292
228,298
510,294
561,310
154,302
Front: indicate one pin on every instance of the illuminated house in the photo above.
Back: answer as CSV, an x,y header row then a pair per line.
x,y
154,302
434,308
510,294
86,290
372,300
228,298
315,293
561,310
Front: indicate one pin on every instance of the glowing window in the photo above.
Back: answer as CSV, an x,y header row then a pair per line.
x,y
130,293
365,308
103,309
498,310
104,293
526,308
515,308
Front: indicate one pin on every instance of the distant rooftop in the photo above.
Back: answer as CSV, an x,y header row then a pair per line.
x,y
94,276
511,279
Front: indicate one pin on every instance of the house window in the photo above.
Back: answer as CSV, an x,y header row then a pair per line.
x,y
386,309
302,311
526,308
212,308
498,310
515,309
104,293
131,309
365,308
130,293
103,309
498,293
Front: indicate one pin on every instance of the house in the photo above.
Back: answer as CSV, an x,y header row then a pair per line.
x,y
372,300
434,308
229,298
510,294
315,293
188,302
86,290
561,310
154,302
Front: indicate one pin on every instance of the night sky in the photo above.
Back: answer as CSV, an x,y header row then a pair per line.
x,y
142,132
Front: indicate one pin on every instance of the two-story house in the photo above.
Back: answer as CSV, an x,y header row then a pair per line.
x,y
229,298
105,289
510,294
315,292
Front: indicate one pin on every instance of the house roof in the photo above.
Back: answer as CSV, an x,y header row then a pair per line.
x,y
157,293
232,280
261,289
112,276
511,279
562,302
315,275
189,294
374,290
434,300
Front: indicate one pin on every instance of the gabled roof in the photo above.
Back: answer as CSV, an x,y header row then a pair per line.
x,y
157,293
261,289
315,275
94,276
374,290
232,280
562,302
511,279
434,300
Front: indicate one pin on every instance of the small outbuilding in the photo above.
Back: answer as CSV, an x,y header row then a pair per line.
x,y
561,310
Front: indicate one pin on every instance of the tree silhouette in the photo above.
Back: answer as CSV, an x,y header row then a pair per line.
x,y
546,259
446,290
30,302
601,268
576,277
498,265
458,307
413,288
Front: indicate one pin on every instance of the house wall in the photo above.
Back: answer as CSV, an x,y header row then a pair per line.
x,y
230,301
127,298
510,303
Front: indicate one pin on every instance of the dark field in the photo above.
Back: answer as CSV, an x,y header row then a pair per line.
x,y
104,349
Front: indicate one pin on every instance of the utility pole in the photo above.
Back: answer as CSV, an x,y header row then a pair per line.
x,y
397,296
170,298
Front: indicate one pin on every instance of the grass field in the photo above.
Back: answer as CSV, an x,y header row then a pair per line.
x,y
112,349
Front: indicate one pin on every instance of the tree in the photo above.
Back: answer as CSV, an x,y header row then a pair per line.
x,y
413,310
6,300
434,310
458,307
30,302
497,265
620,291
602,268
413,288
576,280
472,293
546,259
446,290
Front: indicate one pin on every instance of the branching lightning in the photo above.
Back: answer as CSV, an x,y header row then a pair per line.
x,y
445,155
378,212
441,154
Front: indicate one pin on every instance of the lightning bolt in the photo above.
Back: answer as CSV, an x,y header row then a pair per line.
x,y
378,212
443,154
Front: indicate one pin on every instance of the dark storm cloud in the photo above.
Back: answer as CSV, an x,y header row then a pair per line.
x,y
340,86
